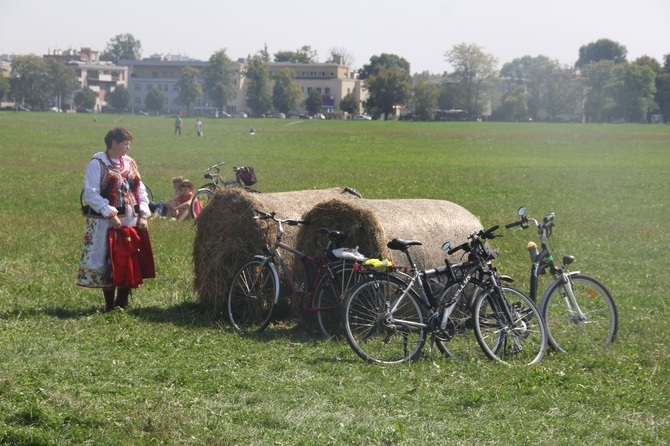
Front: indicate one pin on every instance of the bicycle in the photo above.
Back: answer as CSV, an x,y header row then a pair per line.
x,y
578,309
254,290
386,320
244,177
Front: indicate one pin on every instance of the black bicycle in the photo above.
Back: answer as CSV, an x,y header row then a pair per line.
x,y
388,316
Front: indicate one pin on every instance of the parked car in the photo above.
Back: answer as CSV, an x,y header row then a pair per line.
x,y
55,110
223,114
300,116
277,115
362,118
319,116
141,112
238,115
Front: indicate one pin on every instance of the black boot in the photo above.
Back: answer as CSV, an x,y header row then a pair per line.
x,y
109,299
122,298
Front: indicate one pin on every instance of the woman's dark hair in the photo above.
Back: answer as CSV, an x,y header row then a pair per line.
x,y
118,134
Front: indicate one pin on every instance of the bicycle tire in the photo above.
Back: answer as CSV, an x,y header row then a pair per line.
x,y
329,296
253,295
367,330
458,341
522,341
83,202
199,201
567,330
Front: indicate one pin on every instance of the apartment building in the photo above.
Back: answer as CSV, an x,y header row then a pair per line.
x,y
332,80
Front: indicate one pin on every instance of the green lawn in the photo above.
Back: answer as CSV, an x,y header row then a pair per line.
x,y
169,372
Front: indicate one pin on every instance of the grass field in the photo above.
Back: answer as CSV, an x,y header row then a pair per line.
x,y
169,372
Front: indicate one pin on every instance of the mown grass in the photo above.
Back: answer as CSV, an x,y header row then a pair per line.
x,y
169,372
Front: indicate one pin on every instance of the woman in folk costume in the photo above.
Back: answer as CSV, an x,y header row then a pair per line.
x,y
117,199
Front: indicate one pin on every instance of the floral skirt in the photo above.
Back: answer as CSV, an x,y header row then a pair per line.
x,y
95,269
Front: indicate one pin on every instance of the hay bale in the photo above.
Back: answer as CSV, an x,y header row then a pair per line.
x,y
372,223
227,235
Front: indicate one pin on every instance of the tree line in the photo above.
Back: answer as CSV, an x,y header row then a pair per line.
x,y
602,85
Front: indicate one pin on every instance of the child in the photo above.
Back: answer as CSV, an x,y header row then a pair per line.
x,y
181,211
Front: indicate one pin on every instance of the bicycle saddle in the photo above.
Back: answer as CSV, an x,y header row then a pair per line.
x,y
400,245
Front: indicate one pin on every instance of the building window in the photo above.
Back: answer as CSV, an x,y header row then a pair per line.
x,y
138,101
138,87
150,86
309,90
154,74
166,87
318,90
327,90
175,87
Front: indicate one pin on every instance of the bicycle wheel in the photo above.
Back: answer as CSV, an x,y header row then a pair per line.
x,y
522,340
199,201
458,340
252,296
375,333
330,294
590,325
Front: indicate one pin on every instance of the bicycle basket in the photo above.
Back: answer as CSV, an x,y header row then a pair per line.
x,y
247,175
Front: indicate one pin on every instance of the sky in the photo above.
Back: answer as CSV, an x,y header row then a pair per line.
x,y
421,31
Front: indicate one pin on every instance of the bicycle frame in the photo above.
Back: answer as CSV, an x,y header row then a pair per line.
x,y
273,255
544,260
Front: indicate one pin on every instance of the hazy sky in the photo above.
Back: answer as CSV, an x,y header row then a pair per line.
x,y
421,31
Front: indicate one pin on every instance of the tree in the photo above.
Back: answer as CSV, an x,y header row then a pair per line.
x,y
598,103
514,105
425,99
561,95
663,87
313,102
219,79
30,83
384,60
189,88
120,98
259,96
603,49
85,99
349,104
303,55
62,81
286,94
340,55
122,47
154,100
387,89
4,86
533,73
632,88
474,72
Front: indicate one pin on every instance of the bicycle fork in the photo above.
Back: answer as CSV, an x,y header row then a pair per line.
x,y
576,314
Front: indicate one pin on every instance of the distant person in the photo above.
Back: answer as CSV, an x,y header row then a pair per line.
x,y
177,124
118,200
198,127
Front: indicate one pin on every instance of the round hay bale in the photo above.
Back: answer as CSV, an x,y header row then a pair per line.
x,y
227,234
372,223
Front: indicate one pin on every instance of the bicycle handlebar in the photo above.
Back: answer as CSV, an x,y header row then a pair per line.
x,y
476,238
215,166
262,215
543,228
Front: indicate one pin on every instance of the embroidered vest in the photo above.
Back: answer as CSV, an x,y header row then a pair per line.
x,y
121,188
